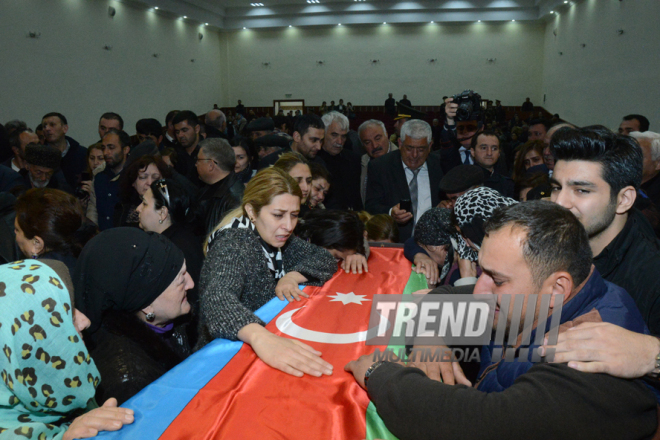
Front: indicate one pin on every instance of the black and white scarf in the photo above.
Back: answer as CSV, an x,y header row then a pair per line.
x,y
273,255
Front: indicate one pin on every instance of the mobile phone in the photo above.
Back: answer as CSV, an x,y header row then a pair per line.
x,y
85,176
406,205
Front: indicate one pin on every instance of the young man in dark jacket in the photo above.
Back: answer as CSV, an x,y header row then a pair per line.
x,y
529,248
597,175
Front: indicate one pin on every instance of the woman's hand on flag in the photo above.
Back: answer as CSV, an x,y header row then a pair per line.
x,y
287,287
356,263
424,264
109,417
288,355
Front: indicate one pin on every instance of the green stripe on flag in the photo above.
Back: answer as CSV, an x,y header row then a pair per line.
x,y
376,428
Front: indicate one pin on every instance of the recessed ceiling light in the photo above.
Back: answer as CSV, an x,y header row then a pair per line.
x,y
289,25
185,16
565,1
244,28
552,12
478,21
432,21
513,20
206,24
339,24
384,22
156,8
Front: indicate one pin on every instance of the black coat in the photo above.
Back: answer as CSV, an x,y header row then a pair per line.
x,y
387,185
631,261
213,202
344,169
130,356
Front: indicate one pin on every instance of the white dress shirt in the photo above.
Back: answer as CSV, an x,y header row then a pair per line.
x,y
423,188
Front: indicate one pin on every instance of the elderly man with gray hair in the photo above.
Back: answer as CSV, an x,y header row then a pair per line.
x,y
405,183
222,190
650,143
376,142
343,164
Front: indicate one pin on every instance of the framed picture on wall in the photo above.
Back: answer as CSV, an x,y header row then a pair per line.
x,y
292,106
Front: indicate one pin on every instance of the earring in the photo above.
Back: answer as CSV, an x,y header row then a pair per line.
x,y
35,256
160,221
150,317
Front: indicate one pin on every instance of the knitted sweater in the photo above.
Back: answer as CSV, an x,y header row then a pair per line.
x,y
235,280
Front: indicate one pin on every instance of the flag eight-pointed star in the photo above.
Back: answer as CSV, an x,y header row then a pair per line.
x,y
348,298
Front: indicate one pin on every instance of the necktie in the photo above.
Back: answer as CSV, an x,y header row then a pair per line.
x,y
412,185
466,161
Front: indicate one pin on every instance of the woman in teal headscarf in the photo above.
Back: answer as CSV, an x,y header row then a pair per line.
x,y
49,378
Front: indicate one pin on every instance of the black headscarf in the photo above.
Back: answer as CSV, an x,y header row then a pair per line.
x,y
123,269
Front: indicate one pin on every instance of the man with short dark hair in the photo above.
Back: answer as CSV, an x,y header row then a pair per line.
x,y
537,129
409,174
110,120
18,140
170,138
150,128
632,123
343,165
485,150
186,128
74,156
531,248
104,198
222,190
527,106
596,176
405,101
240,108
308,134
42,168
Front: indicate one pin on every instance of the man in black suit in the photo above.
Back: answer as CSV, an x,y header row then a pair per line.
x,y
405,174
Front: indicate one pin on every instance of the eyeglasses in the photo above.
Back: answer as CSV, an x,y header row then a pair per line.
x,y
197,159
162,187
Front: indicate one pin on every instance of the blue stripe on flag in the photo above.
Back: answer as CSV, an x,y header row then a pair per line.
x,y
162,401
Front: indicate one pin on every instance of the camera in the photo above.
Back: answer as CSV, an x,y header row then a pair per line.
x,y
469,105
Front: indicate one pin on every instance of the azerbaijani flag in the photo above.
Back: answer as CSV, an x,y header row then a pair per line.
x,y
225,391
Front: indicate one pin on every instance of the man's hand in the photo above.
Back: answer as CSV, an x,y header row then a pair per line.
x,y
450,111
401,216
106,418
448,204
450,373
356,263
606,348
424,264
359,367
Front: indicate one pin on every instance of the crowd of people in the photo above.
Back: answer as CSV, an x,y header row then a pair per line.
x,y
123,258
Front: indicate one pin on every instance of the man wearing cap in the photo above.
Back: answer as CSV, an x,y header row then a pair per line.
x,y
458,181
74,156
42,168
485,150
271,143
409,174
260,127
308,134
373,135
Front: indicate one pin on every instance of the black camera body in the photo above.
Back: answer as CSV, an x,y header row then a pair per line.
x,y
469,106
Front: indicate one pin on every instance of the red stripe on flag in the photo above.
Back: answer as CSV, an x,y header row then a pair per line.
x,y
250,400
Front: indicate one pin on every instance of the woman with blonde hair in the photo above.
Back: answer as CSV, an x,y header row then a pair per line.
x,y
254,256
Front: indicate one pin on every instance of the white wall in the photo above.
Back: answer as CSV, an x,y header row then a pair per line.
x,y
613,75
67,70
403,51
